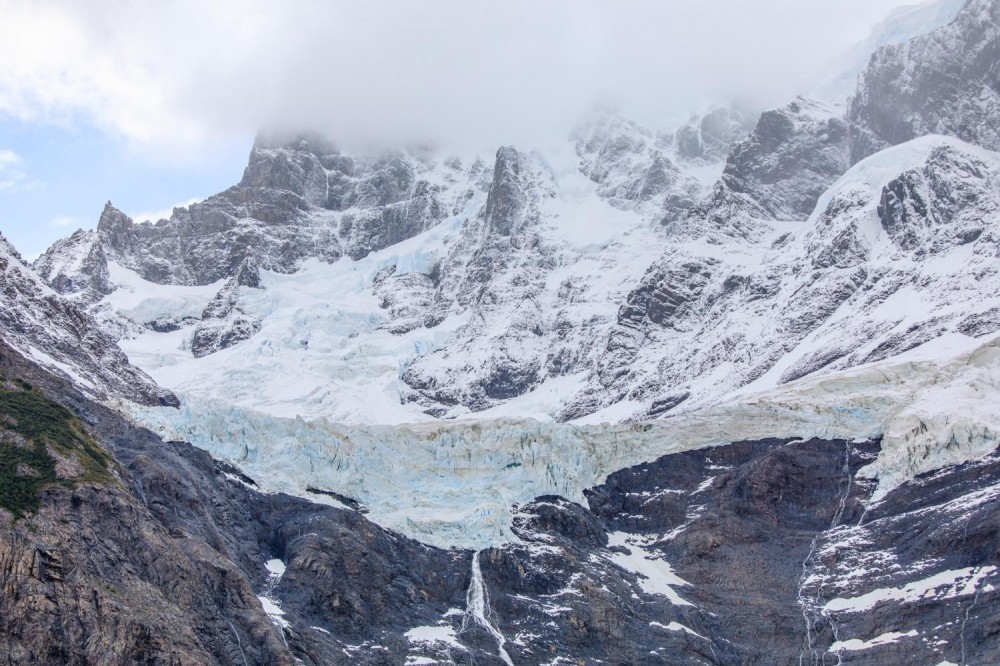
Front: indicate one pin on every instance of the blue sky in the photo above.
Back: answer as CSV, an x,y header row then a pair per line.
x,y
63,174
150,105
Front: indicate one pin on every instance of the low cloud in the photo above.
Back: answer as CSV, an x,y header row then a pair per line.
x,y
176,78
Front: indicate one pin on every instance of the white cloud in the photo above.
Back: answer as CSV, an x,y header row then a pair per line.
x,y
12,178
175,77
7,158
162,214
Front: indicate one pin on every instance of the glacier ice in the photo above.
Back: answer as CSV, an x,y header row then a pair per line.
x,y
454,483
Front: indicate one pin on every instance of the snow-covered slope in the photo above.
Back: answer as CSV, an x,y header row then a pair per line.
x,y
336,339
54,332
509,306
511,284
624,274
899,251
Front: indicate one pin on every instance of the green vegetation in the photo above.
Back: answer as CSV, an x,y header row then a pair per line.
x,y
26,467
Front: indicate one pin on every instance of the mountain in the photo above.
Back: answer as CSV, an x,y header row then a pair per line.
x,y
914,224
723,393
487,254
579,278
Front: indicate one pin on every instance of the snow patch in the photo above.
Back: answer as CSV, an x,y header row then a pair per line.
x,y
676,626
856,644
656,576
942,585
438,634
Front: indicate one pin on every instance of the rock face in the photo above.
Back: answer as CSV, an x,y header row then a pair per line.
x,y
299,198
165,563
942,195
53,330
224,322
93,577
792,156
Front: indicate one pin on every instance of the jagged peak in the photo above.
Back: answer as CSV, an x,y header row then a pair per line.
x,y
302,141
507,157
112,218
8,249
505,198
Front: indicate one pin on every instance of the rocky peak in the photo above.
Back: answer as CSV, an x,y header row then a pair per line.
x,y
506,198
46,326
289,164
793,154
116,232
76,266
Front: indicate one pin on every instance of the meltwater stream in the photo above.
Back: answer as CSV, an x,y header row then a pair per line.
x,y
477,607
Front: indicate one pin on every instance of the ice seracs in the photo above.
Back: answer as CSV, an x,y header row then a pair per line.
x,y
462,479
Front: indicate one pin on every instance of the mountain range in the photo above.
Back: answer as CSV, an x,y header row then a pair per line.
x,y
719,394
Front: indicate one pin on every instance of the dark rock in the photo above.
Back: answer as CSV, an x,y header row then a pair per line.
x,y
792,156
980,323
506,200
164,325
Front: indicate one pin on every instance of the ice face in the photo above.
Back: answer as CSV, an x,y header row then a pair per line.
x,y
457,483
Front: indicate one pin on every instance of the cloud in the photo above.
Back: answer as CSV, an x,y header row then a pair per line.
x,y
7,158
175,78
12,178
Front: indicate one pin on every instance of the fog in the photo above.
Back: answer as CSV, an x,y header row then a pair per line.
x,y
174,78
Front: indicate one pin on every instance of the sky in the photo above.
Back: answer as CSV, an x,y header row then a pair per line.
x,y
154,104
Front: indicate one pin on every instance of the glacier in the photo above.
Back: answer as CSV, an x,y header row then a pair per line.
x,y
458,484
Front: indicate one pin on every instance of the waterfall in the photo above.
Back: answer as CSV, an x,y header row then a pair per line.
x,y
477,607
